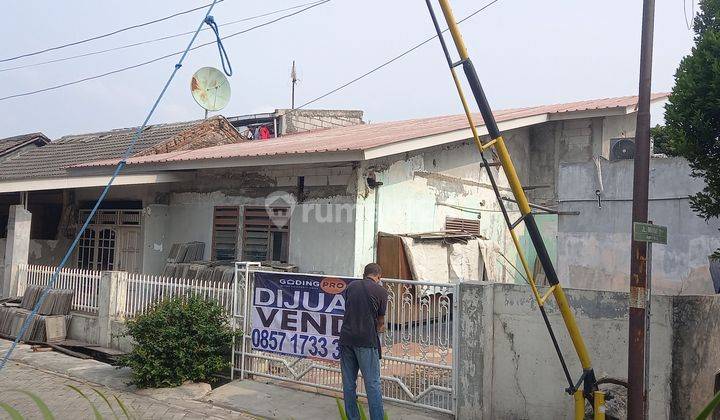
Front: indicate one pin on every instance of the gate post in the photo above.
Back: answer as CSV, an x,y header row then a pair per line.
x,y
112,296
474,351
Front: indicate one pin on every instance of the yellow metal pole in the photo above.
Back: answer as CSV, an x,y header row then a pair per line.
x,y
599,405
590,384
579,405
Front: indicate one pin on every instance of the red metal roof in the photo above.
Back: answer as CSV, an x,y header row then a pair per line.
x,y
367,136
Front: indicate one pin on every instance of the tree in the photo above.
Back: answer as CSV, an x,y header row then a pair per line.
x,y
661,140
692,113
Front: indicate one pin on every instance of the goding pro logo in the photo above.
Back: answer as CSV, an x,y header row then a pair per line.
x,y
279,206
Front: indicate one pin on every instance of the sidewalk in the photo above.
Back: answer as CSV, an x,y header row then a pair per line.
x,y
269,400
46,374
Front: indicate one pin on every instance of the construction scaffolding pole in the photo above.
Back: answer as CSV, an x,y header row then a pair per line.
x,y
637,390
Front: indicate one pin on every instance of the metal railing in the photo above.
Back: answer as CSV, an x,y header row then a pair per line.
x,y
417,367
144,291
85,283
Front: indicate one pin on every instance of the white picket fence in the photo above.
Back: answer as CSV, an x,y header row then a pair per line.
x,y
85,283
144,291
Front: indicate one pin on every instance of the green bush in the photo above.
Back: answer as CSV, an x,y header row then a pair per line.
x,y
180,339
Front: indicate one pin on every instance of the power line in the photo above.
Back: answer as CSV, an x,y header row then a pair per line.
x,y
392,60
144,63
128,152
689,22
163,38
139,25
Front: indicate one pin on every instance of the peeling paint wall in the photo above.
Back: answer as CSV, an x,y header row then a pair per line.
x,y
527,380
420,190
594,247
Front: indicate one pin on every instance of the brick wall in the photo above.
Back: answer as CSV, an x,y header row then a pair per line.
x,y
299,120
214,131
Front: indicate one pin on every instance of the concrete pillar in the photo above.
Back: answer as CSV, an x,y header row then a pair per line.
x,y
17,247
474,353
112,296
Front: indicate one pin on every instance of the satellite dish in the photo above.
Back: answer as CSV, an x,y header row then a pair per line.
x,y
210,89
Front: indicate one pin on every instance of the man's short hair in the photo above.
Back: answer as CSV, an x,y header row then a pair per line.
x,y
372,269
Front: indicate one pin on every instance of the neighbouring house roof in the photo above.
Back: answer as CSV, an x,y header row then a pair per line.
x,y
381,139
10,144
54,159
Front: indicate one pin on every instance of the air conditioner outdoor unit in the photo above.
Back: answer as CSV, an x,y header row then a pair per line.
x,y
622,148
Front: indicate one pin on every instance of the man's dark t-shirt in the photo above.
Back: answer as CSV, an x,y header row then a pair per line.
x,y
365,301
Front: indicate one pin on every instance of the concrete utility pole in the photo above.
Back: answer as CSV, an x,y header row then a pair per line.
x,y
637,396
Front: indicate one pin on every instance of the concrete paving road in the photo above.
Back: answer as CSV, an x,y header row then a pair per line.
x,y
67,404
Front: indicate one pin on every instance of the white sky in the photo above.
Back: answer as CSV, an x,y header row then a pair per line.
x,y
526,52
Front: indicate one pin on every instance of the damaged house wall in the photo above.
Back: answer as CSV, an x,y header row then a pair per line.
x,y
322,222
419,190
595,246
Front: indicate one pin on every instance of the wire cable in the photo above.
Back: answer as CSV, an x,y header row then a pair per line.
x,y
144,63
150,41
94,38
224,59
392,60
118,169
690,23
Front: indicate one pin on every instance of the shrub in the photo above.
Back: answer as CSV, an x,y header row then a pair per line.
x,y
180,339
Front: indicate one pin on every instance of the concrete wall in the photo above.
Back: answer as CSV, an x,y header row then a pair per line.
x,y
528,381
503,332
298,120
570,141
594,247
696,360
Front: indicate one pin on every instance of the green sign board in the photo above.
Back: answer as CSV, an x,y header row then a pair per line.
x,y
647,232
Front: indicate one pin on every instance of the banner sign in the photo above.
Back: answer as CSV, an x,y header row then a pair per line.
x,y
298,314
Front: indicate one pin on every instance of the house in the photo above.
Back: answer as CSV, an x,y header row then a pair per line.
x,y
11,146
319,199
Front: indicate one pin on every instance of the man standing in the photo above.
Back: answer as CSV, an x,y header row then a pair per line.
x,y
365,304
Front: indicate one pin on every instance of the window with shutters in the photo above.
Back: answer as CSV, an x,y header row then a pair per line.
x,y
469,226
266,233
226,221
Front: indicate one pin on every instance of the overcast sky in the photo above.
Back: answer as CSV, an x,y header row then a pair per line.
x,y
527,52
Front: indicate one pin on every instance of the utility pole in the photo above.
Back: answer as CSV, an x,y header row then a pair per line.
x,y
293,78
637,395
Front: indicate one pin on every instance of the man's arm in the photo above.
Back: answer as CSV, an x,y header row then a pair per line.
x,y
381,325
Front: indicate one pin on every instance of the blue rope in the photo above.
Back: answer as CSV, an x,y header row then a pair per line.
x,y
221,48
118,169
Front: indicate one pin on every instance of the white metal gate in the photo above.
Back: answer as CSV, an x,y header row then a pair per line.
x,y
417,366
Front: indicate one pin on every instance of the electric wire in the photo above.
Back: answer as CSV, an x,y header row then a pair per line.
x,y
144,63
150,41
118,169
94,38
689,22
392,60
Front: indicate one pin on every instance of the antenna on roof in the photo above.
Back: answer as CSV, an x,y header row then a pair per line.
x,y
210,89
294,79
